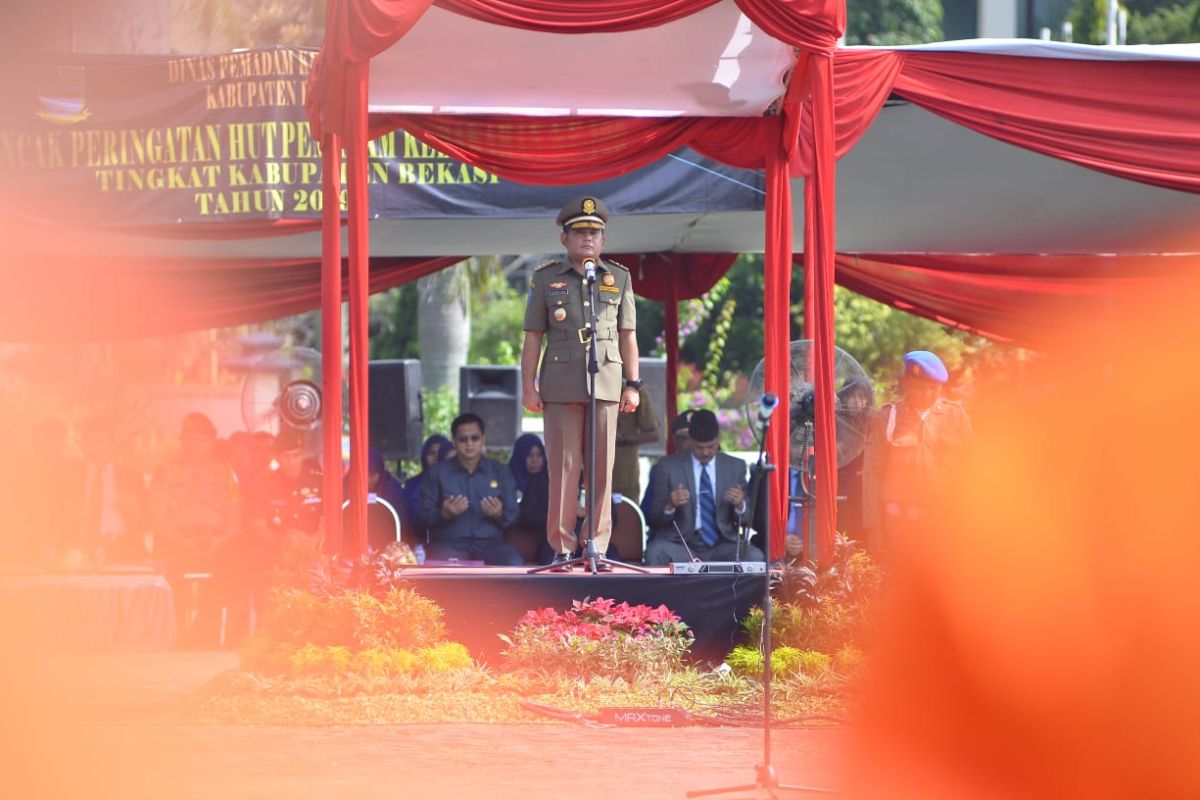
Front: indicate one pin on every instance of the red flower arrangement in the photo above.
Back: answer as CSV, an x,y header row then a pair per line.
x,y
599,635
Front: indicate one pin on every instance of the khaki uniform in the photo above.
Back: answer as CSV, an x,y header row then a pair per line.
x,y
556,306
627,477
909,463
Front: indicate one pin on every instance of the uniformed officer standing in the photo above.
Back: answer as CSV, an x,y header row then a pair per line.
x,y
557,311
914,448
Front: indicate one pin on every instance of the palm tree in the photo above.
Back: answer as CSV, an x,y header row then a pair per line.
x,y
443,326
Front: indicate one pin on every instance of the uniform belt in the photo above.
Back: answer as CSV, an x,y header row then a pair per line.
x,y
573,336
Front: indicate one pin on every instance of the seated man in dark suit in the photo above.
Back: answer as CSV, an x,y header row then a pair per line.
x,y
698,501
679,432
468,500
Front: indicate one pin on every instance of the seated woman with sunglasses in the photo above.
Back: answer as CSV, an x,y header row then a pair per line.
x,y
468,500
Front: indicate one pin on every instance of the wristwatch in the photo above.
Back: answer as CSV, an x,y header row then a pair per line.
x,y
636,383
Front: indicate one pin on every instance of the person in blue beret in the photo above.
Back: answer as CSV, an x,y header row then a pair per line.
x,y
914,446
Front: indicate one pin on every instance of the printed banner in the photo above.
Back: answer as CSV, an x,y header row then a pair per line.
x,y
135,141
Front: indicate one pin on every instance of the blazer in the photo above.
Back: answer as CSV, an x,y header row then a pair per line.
x,y
677,469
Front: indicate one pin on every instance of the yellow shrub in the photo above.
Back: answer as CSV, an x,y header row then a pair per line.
x,y
443,658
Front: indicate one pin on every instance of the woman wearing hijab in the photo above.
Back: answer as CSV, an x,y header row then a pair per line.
x,y
436,448
528,466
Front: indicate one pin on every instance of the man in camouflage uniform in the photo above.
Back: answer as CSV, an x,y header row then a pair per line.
x,y
557,311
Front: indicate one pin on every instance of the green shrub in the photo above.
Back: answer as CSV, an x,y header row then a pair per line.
x,y
785,661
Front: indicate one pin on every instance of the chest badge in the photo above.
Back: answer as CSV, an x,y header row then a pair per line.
x,y
494,484
558,285
608,279
560,314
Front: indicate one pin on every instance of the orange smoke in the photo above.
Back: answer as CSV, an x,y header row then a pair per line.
x,y
1042,638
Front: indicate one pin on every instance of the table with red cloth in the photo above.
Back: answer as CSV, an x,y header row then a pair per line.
x,y
89,612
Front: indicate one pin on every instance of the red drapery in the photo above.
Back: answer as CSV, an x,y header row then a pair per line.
x,y
108,298
1030,299
358,30
1136,120
331,348
666,277
819,226
669,278
356,192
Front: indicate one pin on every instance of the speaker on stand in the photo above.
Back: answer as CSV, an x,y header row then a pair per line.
x,y
397,424
494,393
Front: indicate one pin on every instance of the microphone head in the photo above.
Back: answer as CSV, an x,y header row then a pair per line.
x,y
589,270
767,406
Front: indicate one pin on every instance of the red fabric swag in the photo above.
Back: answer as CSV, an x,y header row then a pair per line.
x,y
862,82
1029,299
572,16
1123,118
75,302
671,277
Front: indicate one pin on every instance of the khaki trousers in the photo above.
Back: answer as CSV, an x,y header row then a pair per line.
x,y
567,459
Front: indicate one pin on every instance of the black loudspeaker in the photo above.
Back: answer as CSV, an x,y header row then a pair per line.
x,y
494,393
397,425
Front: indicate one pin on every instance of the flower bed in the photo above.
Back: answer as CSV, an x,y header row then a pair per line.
x,y
599,637
361,646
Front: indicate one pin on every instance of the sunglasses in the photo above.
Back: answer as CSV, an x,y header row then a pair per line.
x,y
473,437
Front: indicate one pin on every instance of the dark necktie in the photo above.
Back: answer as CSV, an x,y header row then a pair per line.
x,y
708,509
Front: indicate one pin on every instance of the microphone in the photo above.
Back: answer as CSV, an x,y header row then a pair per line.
x,y
589,270
767,406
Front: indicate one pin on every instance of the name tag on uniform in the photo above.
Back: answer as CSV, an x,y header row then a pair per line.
x,y
559,292
613,289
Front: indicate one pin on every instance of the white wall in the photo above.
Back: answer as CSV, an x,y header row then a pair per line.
x,y
997,19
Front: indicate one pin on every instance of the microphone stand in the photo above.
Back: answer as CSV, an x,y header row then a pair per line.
x,y
590,557
765,777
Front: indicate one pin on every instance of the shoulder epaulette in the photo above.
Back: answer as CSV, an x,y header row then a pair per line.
x,y
545,264
610,262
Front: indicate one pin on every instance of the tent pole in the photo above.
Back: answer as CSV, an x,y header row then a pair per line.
x,y
356,159
823,246
331,341
777,287
810,270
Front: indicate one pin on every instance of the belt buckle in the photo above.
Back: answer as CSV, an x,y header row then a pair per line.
x,y
585,335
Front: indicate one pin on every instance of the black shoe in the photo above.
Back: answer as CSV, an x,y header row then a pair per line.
x,y
559,562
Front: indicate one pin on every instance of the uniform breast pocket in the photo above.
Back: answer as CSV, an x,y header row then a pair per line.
x,y
612,353
609,303
557,354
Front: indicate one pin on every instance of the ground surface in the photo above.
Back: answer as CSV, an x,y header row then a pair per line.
x,y
129,743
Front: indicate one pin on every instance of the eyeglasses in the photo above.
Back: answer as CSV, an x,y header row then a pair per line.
x,y
473,437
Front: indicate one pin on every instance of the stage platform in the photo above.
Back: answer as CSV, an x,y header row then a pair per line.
x,y
483,602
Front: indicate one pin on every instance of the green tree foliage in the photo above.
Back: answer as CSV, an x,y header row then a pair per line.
x,y
1165,25
1089,21
394,323
878,336
1150,21
885,22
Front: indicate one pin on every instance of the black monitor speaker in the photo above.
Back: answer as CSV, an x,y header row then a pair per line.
x,y
494,393
397,425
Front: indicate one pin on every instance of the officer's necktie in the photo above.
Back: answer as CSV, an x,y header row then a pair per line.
x,y
708,509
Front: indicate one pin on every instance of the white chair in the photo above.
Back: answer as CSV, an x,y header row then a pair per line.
x,y
628,529
383,523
